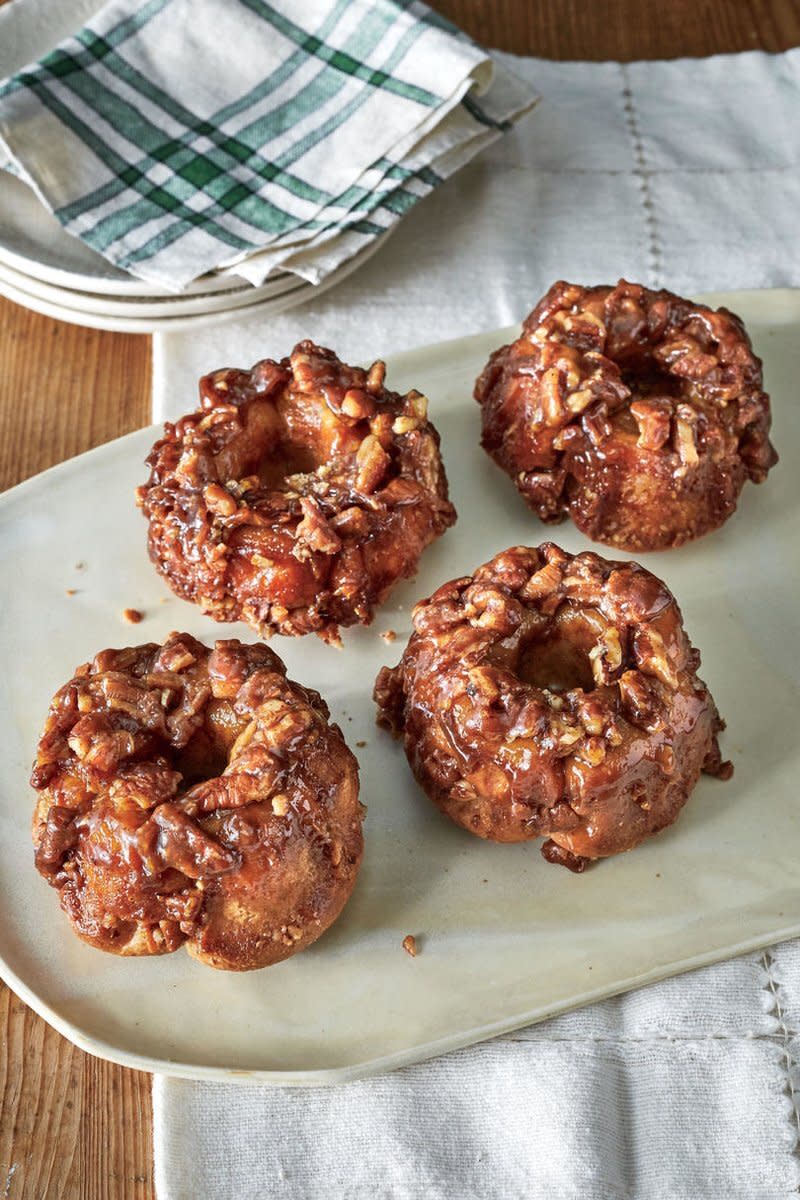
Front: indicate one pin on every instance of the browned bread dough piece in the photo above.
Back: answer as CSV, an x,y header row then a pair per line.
x,y
638,414
553,696
198,797
297,495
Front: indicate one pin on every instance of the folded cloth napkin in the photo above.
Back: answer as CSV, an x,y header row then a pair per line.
x,y
682,174
180,136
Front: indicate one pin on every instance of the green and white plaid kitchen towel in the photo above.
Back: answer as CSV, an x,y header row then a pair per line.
x,y
180,136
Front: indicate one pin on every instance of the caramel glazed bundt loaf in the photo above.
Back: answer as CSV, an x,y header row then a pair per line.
x,y
635,412
198,797
297,495
554,696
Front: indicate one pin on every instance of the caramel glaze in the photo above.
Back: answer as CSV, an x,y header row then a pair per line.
x,y
297,495
556,696
635,412
198,797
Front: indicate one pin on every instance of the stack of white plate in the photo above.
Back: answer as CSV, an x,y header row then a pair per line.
x,y
48,270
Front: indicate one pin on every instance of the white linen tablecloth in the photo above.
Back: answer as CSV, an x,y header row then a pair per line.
x,y
684,1090
681,174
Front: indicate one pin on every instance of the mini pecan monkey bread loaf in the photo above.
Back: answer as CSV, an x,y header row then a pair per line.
x,y
297,495
198,797
554,696
635,412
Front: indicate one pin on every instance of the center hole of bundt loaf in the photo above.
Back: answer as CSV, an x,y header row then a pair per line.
x,y
206,754
286,437
647,381
645,378
557,658
306,437
283,460
557,665
291,442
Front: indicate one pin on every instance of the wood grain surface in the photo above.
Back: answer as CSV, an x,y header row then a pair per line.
x,y
72,1126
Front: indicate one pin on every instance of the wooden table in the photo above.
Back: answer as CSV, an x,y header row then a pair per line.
x,y
71,1125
